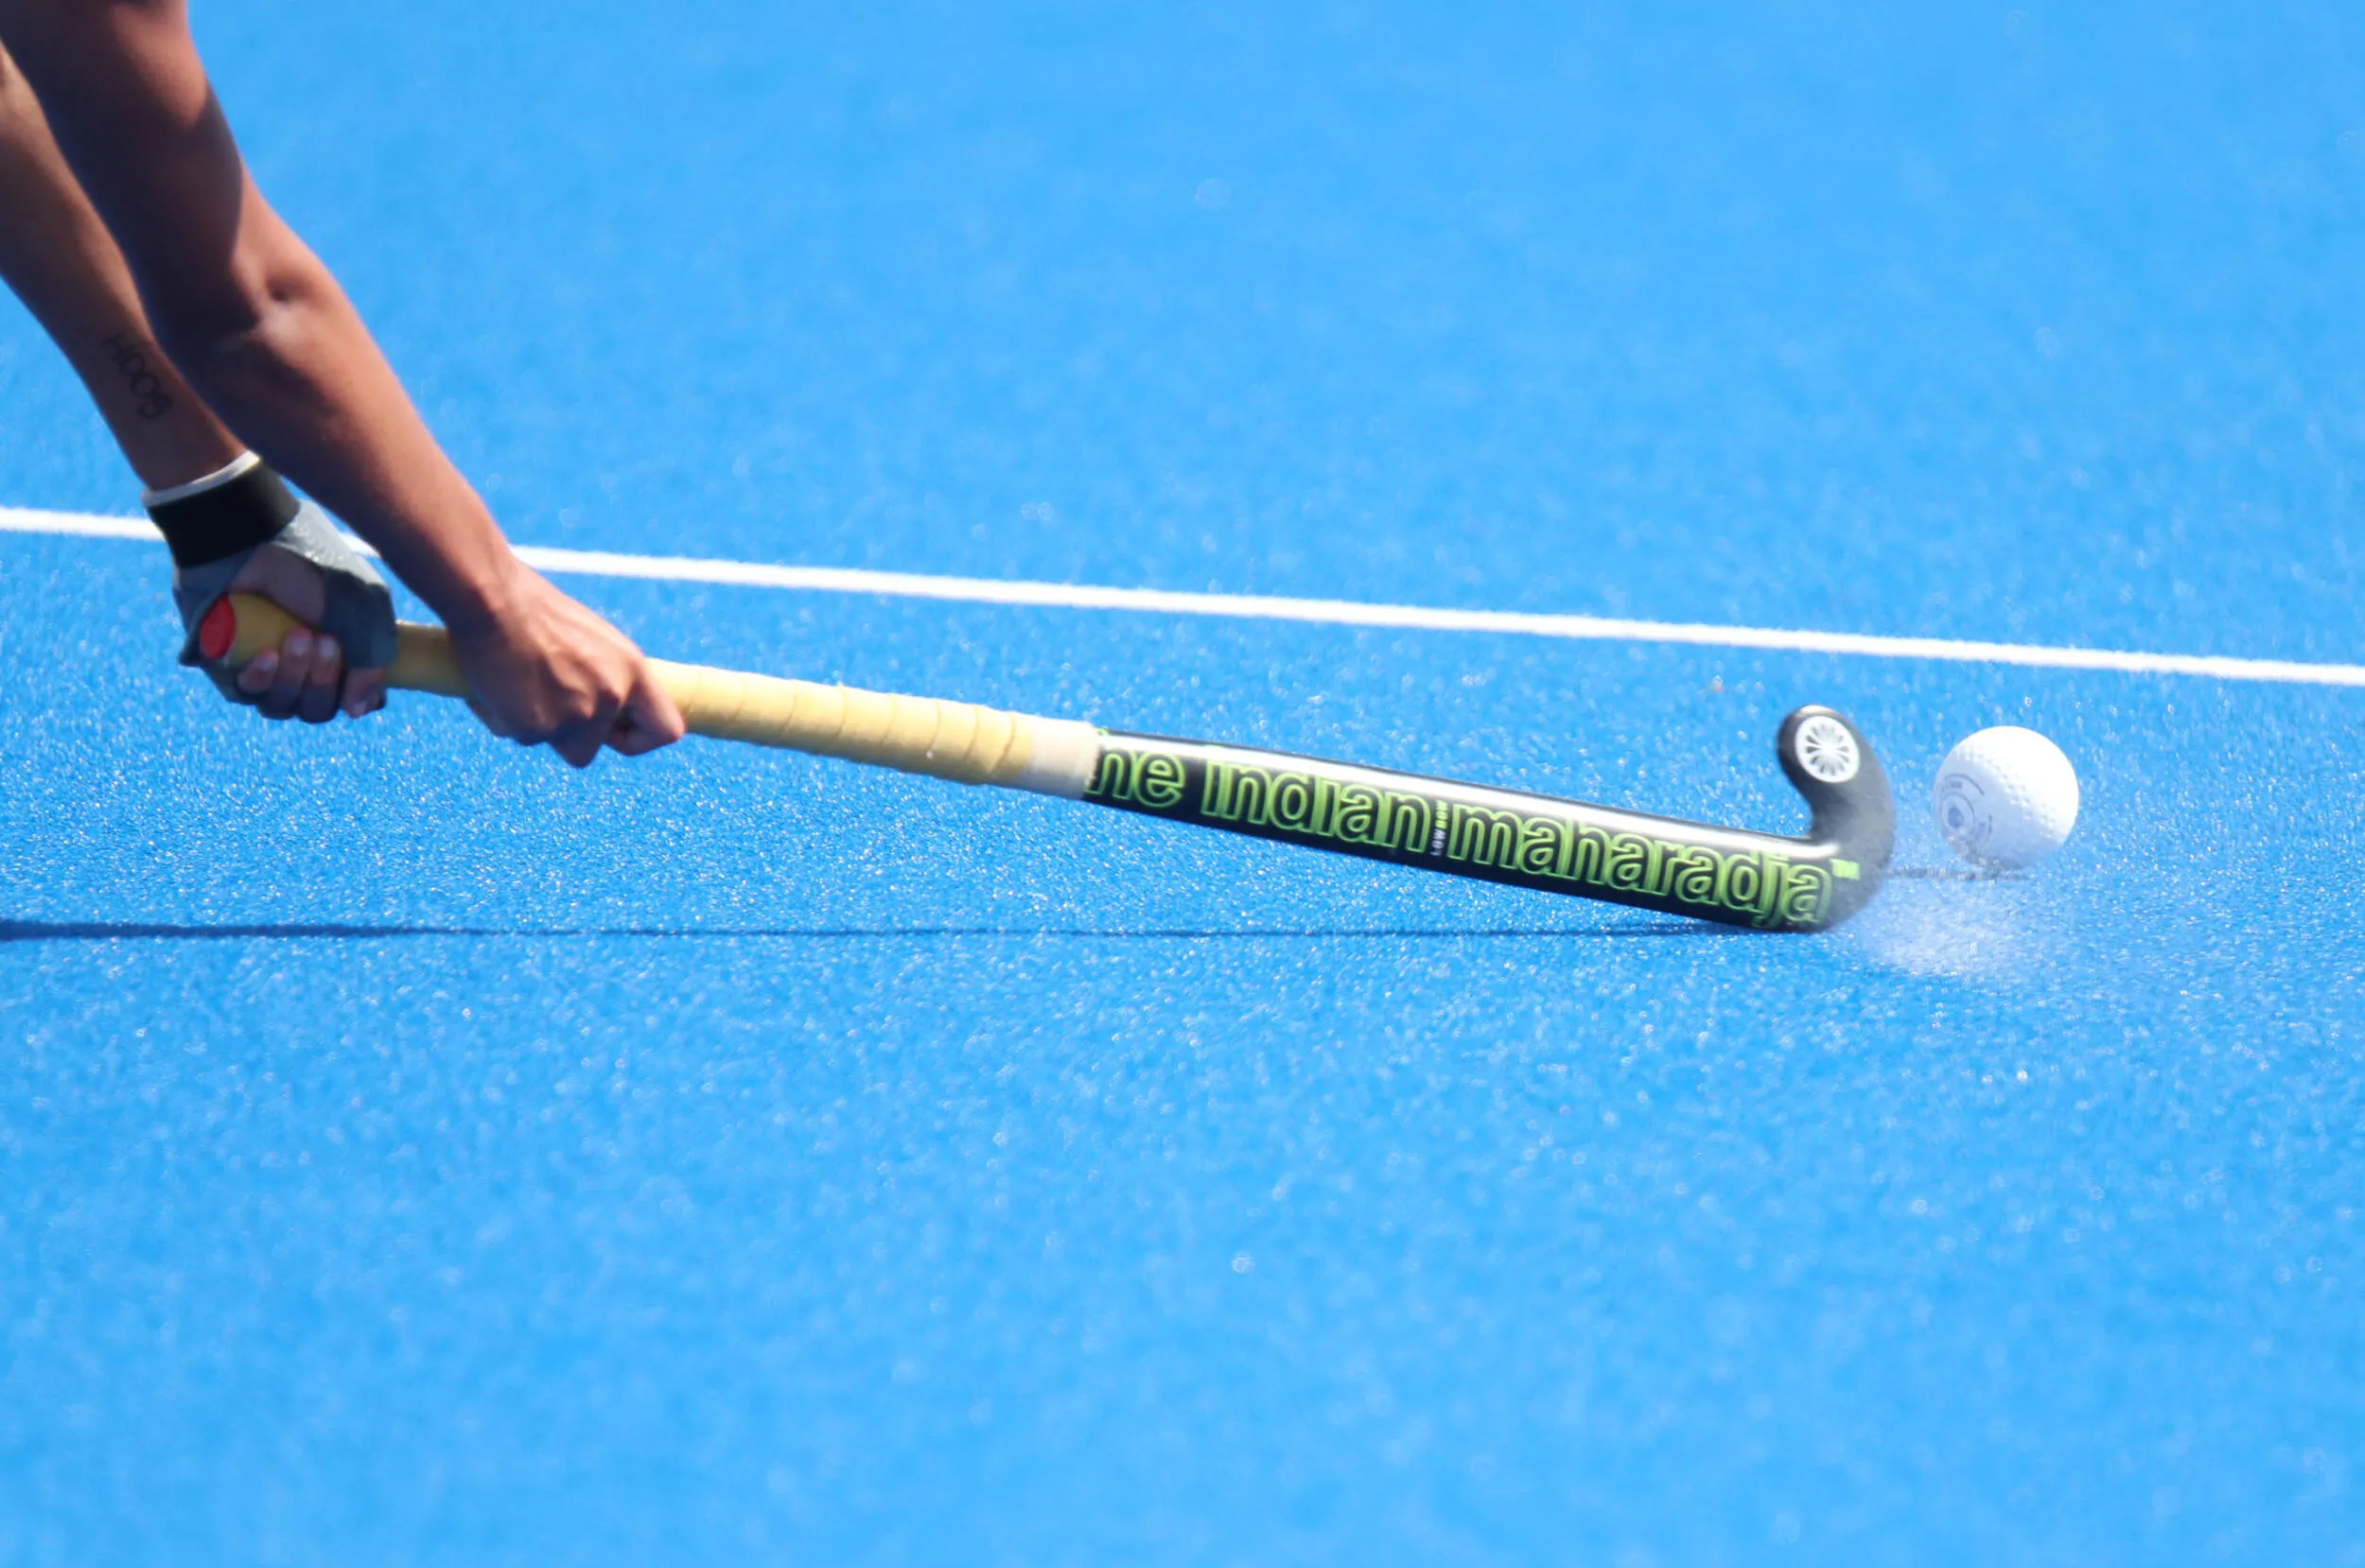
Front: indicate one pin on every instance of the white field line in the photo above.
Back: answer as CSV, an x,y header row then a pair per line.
x,y
1329,612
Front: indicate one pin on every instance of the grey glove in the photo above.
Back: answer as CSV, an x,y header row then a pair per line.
x,y
218,524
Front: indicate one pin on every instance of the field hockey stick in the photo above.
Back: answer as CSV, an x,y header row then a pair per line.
x,y
1764,881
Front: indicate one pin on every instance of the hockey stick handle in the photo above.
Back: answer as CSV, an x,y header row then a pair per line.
x,y
1766,881
963,741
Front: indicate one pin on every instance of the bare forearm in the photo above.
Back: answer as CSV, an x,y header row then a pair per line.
x,y
267,339
290,364
253,318
58,257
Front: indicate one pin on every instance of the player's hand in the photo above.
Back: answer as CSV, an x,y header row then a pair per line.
x,y
239,530
546,671
305,677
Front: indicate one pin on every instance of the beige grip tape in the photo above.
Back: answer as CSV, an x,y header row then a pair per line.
x,y
923,735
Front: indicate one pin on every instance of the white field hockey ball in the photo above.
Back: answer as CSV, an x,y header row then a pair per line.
x,y
2007,798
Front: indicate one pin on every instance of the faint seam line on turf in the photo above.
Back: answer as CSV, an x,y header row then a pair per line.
x,y
1330,612
95,931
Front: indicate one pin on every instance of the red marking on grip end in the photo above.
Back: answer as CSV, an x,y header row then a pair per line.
x,y
219,629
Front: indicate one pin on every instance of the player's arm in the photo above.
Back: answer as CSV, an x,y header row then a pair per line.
x,y
58,257
265,336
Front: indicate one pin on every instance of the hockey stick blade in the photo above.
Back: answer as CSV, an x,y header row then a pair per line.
x,y
1764,882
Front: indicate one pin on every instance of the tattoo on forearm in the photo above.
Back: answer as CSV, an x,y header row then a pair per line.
x,y
131,357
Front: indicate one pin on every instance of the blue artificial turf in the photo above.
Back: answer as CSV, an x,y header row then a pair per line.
x,y
412,1152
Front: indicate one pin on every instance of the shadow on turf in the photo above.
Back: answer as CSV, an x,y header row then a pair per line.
x,y
84,931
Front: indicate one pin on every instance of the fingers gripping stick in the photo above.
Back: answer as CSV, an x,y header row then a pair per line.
x,y
923,735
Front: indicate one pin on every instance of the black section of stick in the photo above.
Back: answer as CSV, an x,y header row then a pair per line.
x,y
1764,881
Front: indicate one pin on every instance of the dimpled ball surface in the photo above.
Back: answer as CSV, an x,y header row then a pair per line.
x,y
2007,798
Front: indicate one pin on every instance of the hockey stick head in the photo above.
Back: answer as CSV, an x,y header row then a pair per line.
x,y
1828,760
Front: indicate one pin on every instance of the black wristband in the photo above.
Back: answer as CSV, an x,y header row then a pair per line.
x,y
236,515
